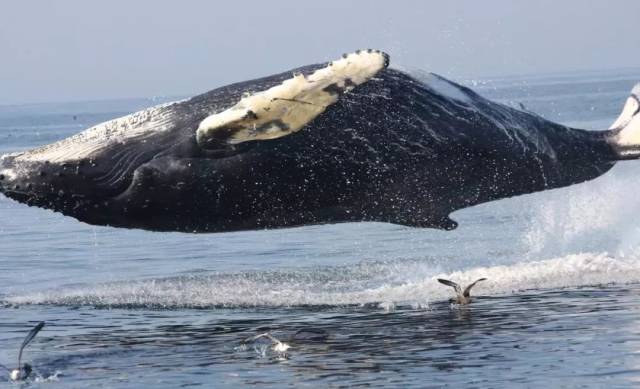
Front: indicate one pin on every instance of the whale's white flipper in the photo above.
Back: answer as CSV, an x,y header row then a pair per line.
x,y
286,108
626,128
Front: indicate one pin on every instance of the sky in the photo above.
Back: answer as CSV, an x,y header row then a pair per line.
x,y
73,50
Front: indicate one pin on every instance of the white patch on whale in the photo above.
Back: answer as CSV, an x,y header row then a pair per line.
x,y
87,143
289,106
628,123
8,173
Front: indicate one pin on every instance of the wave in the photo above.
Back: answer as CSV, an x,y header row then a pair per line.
x,y
381,283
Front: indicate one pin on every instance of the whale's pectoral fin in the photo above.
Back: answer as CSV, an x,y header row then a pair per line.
x,y
288,107
624,134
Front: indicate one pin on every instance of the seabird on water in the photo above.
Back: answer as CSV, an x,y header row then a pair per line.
x,y
23,371
277,345
463,297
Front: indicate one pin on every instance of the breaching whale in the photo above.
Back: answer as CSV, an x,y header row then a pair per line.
x,y
352,140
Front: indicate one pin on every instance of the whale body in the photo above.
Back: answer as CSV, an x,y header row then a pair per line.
x,y
348,141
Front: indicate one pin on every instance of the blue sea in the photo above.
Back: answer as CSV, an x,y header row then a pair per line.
x,y
358,304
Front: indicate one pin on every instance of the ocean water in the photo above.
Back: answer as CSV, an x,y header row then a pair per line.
x,y
357,303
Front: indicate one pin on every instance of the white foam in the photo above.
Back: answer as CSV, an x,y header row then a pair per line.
x,y
600,215
314,288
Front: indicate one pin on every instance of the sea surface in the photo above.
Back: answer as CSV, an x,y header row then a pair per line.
x,y
358,304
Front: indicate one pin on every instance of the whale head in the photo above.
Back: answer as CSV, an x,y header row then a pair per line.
x,y
84,174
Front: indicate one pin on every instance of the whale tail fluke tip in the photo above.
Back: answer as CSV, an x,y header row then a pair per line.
x,y
625,130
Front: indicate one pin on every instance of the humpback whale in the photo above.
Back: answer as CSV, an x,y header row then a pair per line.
x,y
351,140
